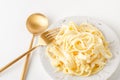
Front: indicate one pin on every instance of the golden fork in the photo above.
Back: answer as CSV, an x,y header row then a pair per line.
x,y
48,36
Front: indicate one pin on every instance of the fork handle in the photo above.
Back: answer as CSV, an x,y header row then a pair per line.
x,y
17,59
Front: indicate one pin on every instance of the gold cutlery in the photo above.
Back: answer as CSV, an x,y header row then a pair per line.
x,y
47,36
17,59
36,24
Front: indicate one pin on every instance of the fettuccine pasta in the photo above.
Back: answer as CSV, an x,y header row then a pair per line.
x,y
79,50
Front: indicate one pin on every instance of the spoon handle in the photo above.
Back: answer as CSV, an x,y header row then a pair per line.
x,y
17,59
26,65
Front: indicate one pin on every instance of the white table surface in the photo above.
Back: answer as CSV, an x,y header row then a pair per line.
x,y
15,39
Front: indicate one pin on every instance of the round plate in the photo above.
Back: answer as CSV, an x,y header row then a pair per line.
x,y
110,36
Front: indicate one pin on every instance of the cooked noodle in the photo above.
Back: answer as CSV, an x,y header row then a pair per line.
x,y
79,50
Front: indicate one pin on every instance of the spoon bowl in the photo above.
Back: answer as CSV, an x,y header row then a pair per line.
x,y
37,23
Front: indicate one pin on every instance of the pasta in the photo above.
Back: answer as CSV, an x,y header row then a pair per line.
x,y
79,50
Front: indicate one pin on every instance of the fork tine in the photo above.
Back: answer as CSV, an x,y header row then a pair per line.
x,y
48,40
49,35
52,33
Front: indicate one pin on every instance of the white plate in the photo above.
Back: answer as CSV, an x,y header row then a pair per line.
x,y
110,67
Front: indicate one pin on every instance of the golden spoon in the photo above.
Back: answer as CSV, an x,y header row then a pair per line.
x,y
36,24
